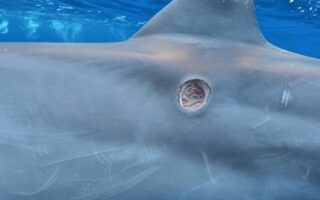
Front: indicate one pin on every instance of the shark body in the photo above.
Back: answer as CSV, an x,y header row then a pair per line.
x,y
89,121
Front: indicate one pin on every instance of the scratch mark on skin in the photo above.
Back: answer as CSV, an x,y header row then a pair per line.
x,y
109,171
296,141
19,145
19,142
51,180
262,122
100,158
42,150
38,144
274,156
16,138
130,166
286,98
82,156
108,163
206,162
307,174
120,188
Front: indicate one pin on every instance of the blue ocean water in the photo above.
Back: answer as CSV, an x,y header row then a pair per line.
x,y
290,24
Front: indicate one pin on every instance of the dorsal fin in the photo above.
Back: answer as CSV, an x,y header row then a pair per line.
x,y
231,19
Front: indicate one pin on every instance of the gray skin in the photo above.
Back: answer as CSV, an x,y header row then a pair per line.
x,y
90,121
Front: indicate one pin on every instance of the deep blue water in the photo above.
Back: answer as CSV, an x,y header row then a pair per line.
x,y
290,24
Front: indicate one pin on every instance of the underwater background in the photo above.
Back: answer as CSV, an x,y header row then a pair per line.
x,y
290,24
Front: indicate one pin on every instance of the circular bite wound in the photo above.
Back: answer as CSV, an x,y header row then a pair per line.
x,y
194,95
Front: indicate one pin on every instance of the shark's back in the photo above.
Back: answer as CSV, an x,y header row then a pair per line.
x,y
195,106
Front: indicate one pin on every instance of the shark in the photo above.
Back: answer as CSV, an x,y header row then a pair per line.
x,y
196,105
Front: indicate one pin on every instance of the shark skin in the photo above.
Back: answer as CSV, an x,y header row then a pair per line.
x,y
103,121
